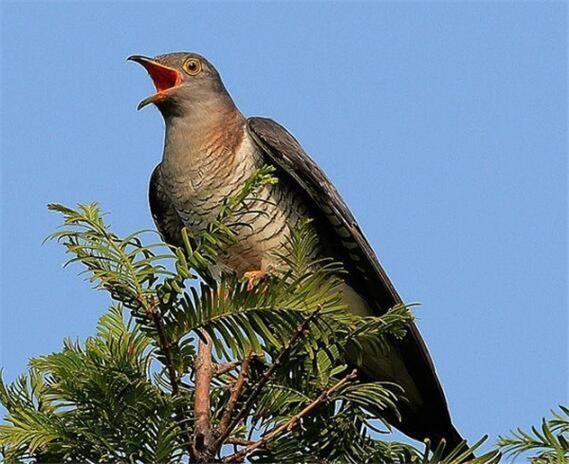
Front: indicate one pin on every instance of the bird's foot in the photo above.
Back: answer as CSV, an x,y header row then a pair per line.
x,y
254,277
221,293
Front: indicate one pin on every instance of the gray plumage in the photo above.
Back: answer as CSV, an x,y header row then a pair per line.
x,y
210,149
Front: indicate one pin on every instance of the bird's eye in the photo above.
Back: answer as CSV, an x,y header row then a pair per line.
x,y
192,66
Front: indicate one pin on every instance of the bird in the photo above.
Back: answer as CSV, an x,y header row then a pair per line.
x,y
210,150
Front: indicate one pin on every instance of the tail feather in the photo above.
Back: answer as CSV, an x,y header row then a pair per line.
x,y
423,414
453,440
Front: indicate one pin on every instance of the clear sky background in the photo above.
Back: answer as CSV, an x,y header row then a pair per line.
x,y
444,125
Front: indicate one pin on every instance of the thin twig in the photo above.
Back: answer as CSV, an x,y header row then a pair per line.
x,y
173,376
235,392
238,441
224,368
165,346
300,331
291,423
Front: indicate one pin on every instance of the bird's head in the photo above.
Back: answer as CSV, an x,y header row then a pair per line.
x,y
184,82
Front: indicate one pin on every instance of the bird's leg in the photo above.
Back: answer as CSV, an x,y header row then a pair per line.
x,y
253,277
220,293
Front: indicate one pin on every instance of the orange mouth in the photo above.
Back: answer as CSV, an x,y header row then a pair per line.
x,y
163,77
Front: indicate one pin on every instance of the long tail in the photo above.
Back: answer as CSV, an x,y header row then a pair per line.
x,y
424,413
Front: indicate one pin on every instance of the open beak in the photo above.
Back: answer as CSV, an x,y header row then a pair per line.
x,y
164,78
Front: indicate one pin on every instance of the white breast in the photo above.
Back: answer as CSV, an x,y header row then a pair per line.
x,y
268,219
198,190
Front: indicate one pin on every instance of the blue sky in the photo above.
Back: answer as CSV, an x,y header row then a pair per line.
x,y
444,125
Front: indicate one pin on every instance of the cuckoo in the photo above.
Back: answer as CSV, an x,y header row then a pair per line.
x,y
210,150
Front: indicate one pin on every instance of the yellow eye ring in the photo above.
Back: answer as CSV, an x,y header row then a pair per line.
x,y
192,66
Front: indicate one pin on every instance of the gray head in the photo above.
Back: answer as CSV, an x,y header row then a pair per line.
x,y
186,83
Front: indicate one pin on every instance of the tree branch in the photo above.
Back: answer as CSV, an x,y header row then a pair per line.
x,y
235,392
202,404
291,423
300,331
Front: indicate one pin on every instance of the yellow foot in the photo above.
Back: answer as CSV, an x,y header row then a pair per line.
x,y
253,277
221,293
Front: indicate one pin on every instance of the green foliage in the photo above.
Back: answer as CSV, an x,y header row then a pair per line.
x,y
124,267
91,403
128,394
551,442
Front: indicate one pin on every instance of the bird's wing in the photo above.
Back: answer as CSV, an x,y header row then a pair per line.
x,y
165,216
364,272
353,248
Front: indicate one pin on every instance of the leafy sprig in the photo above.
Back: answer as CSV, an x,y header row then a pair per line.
x,y
550,443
